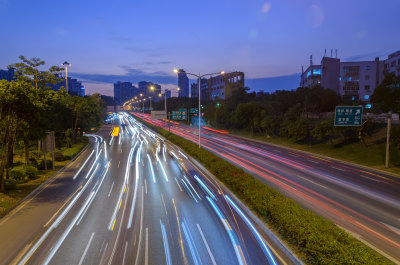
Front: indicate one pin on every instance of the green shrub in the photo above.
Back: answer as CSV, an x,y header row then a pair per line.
x,y
36,154
49,164
18,173
31,172
58,156
33,162
315,239
10,184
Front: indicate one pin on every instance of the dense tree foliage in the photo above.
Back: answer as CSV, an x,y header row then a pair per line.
x,y
28,108
386,96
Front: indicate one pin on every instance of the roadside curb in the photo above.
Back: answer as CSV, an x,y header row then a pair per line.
x,y
320,156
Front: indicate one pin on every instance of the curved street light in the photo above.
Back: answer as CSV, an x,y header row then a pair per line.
x,y
199,76
66,65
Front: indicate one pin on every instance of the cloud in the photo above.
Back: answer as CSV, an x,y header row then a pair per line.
x,y
266,7
131,75
60,31
271,84
363,57
317,16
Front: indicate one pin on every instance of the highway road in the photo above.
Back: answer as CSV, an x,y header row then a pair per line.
x,y
363,201
131,198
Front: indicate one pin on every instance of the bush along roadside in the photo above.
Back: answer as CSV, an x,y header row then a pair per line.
x,y
314,239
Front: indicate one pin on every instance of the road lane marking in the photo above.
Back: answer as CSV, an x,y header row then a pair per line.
x,y
145,185
178,184
86,249
111,189
79,171
119,162
315,183
337,168
104,253
190,242
126,246
394,229
207,247
313,161
146,250
166,247
140,231
363,176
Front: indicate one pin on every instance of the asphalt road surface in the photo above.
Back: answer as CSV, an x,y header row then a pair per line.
x,y
362,201
131,198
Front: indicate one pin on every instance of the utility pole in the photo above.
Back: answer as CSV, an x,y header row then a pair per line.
x,y
389,123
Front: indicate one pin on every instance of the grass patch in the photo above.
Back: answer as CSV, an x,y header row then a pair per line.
x,y
9,199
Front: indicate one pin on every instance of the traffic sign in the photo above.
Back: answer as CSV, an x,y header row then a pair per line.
x,y
179,115
348,116
194,111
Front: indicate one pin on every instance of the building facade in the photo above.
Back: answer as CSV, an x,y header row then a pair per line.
x,y
222,86
7,74
123,91
183,84
149,89
205,92
392,64
352,80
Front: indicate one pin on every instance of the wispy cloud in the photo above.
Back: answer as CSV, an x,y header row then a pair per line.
x,y
131,75
364,56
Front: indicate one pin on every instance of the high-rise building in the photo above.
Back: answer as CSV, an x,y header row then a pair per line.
x,y
7,74
183,84
123,91
149,89
392,64
222,86
352,80
204,89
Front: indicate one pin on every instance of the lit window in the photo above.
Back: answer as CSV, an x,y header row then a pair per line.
x,y
367,67
366,97
368,106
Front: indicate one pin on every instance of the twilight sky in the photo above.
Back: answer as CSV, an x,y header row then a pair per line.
x,y
127,40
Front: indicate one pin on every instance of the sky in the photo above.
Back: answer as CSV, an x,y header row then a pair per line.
x,y
126,40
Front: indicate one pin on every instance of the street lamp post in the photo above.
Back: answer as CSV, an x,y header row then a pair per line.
x,y
66,65
199,76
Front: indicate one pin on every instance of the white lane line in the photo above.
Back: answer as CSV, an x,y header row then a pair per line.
x,y
126,246
119,162
145,185
104,253
363,176
140,231
313,161
205,243
79,171
313,182
394,229
112,185
340,169
178,184
166,247
86,249
146,250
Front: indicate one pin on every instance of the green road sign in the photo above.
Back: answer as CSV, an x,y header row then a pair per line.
x,y
194,111
179,115
348,116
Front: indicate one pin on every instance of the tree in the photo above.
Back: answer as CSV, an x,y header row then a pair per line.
x,y
323,129
27,70
17,100
386,96
246,114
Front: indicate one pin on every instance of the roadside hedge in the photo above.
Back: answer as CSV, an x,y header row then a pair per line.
x,y
314,239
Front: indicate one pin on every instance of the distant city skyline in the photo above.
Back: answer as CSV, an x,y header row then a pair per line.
x,y
267,40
